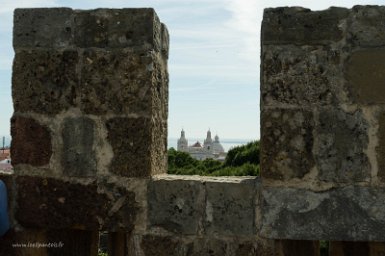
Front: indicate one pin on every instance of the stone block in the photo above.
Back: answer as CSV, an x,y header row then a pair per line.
x,y
31,142
44,81
43,27
364,74
296,25
50,203
286,143
339,157
160,246
130,139
230,207
301,75
165,41
78,154
366,26
380,150
49,242
350,213
176,205
117,28
208,246
125,73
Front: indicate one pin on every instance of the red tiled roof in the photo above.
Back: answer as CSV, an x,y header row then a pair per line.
x,y
197,145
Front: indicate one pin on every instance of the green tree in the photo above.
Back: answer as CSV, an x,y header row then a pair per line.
x,y
240,161
240,155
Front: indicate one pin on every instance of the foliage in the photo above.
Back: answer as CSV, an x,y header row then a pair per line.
x,y
324,248
240,155
100,253
240,161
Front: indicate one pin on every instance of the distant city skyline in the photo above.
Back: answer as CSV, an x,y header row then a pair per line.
x,y
213,65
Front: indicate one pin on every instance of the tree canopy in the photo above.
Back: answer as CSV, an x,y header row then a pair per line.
x,y
240,161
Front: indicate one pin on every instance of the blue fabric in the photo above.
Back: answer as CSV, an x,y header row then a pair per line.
x,y
4,220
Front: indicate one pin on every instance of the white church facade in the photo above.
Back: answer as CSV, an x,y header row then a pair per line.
x,y
210,148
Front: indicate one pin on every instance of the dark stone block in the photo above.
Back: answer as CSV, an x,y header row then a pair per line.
x,y
116,28
296,25
342,214
78,156
301,75
45,82
208,247
130,139
230,208
286,143
364,73
50,203
126,76
176,205
297,248
43,27
380,150
31,142
49,242
366,26
160,245
247,249
55,204
340,144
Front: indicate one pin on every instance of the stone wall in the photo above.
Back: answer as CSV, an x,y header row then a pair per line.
x,y
90,92
322,124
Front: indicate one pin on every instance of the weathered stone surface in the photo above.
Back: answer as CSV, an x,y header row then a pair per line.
x,y
125,73
207,247
176,205
286,142
117,28
123,206
54,204
50,203
165,41
130,139
301,75
159,147
229,208
44,81
31,142
364,72
350,213
296,25
338,156
366,26
49,242
380,150
160,245
43,27
78,154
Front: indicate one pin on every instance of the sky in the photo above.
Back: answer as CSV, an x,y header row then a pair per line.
x,y
213,64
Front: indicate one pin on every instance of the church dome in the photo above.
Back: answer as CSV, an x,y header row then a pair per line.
x,y
217,147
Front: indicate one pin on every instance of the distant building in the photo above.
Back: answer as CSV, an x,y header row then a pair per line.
x,y
210,149
5,153
5,160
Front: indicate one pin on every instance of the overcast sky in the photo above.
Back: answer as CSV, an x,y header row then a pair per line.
x,y
213,64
